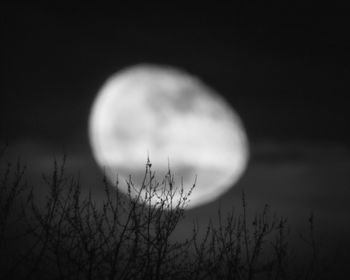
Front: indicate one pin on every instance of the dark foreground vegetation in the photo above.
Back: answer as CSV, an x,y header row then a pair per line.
x,y
70,235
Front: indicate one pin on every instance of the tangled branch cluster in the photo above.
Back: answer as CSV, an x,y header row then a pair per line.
x,y
73,236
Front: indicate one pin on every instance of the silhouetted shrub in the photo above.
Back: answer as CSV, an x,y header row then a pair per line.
x,y
130,236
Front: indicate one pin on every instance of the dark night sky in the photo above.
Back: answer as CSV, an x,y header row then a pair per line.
x,y
284,70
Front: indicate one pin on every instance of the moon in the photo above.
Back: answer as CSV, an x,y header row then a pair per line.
x,y
177,120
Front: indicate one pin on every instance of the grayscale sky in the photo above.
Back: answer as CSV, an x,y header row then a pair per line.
x,y
285,71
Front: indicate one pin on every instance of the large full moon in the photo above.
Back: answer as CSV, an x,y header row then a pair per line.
x,y
174,118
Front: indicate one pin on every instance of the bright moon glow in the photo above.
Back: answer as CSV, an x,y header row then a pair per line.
x,y
176,119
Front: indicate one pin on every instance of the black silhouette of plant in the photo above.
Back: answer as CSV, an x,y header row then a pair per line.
x,y
131,236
